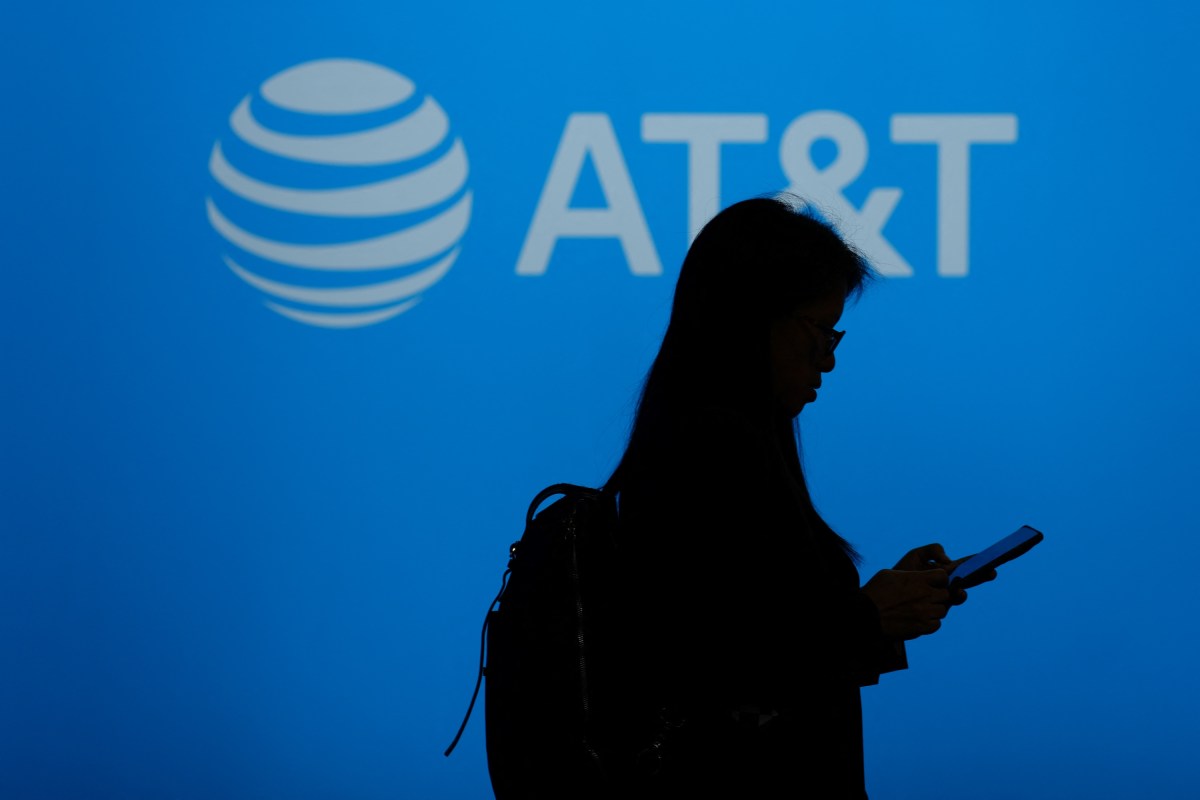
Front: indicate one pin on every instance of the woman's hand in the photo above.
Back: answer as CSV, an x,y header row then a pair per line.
x,y
926,557
911,603
966,583
931,556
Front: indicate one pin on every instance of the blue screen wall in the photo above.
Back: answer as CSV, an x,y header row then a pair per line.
x,y
303,303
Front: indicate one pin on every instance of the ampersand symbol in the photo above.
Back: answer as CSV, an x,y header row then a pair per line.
x,y
823,186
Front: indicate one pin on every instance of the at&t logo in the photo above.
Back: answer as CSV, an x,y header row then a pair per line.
x,y
341,193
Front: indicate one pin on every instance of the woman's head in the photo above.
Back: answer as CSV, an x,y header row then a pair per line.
x,y
751,331
760,290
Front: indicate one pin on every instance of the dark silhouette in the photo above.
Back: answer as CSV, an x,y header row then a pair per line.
x,y
754,633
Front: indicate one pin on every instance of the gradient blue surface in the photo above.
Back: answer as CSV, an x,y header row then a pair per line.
x,y
245,557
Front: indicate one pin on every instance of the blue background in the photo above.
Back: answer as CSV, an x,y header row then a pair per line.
x,y
244,557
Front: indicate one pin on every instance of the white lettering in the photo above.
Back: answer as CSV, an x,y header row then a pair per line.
x,y
622,218
824,187
704,134
954,134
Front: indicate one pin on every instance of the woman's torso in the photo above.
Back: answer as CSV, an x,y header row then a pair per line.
x,y
739,588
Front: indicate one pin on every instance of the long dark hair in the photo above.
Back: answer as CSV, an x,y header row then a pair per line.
x,y
753,263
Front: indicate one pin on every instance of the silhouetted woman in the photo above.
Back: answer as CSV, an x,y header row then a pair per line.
x,y
757,634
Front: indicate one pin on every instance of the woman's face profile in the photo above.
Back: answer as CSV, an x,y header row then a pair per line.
x,y
800,351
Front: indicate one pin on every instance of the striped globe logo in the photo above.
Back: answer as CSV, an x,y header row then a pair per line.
x,y
340,193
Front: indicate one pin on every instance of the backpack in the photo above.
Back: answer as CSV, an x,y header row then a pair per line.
x,y
565,714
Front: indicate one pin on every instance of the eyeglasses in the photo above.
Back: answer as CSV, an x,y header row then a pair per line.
x,y
831,336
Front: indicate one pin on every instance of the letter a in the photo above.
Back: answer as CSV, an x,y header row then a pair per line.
x,y
622,218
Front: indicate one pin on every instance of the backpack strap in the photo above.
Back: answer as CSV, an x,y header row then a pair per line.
x,y
482,652
567,489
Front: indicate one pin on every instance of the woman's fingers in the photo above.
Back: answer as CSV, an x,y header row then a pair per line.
x,y
923,557
934,554
980,577
932,608
911,603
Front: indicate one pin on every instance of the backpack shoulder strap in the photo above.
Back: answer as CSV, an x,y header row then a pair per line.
x,y
565,489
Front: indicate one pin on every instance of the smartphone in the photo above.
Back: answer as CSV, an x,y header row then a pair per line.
x,y
1015,544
